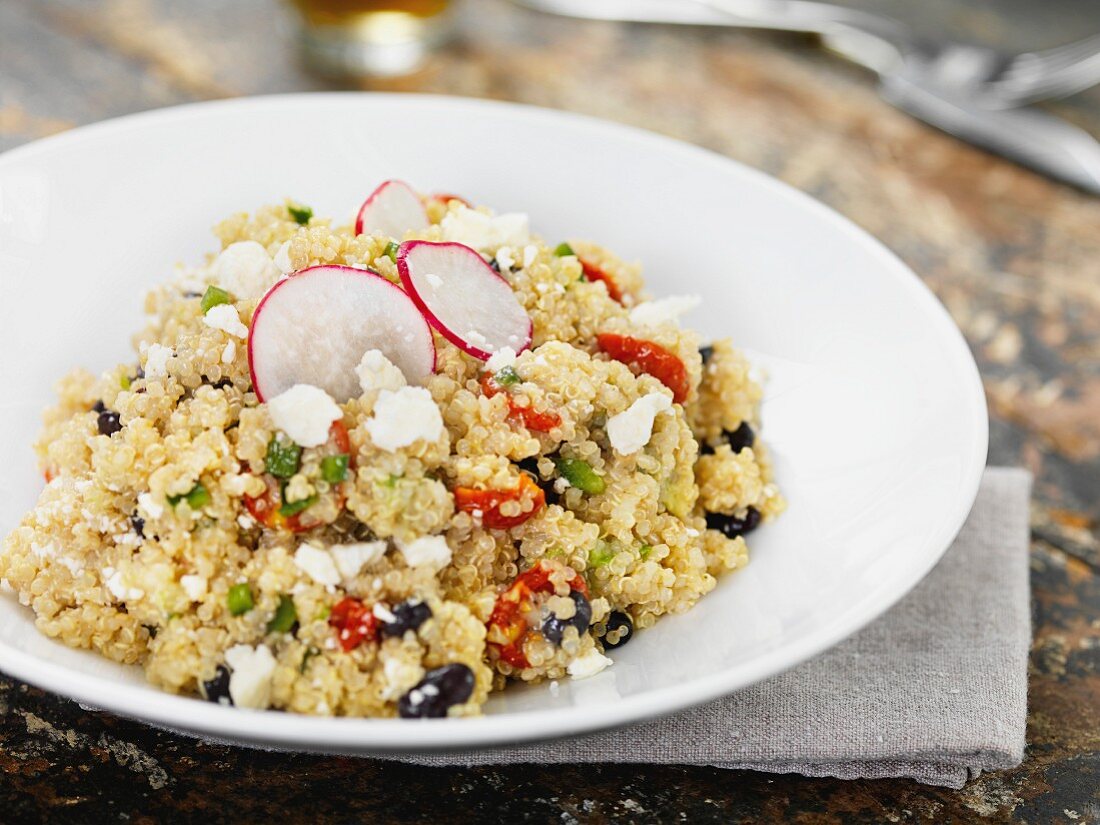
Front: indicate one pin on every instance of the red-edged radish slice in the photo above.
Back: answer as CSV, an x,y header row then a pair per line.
x,y
391,210
472,306
314,327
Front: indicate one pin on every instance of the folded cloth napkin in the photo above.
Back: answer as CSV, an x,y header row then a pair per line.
x,y
935,690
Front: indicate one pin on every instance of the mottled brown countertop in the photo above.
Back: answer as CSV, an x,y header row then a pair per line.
x,y
1015,257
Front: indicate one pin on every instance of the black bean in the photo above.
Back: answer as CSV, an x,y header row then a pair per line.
x,y
740,438
732,526
707,353
440,689
217,689
553,628
108,422
623,624
406,616
138,523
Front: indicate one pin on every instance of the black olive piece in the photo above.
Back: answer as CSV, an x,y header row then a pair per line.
x,y
190,294
732,526
740,438
553,628
440,689
222,384
139,372
493,265
99,407
621,622
217,689
406,616
530,465
108,422
152,628
138,523
707,353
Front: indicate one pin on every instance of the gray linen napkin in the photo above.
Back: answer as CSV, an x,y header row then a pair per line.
x,y
935,690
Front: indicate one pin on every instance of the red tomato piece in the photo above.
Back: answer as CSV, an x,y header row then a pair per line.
x,y
532,419
509,616
488,502
594,273
648,357
354,623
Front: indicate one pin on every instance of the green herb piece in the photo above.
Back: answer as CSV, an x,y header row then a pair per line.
x,y
506,377
644,551
124,381
197,497
324,613
311,651
391,251
300,213
391,481
601,554
239,599
212,297
334,468
563,249
283,457
293,508
285,616
580,474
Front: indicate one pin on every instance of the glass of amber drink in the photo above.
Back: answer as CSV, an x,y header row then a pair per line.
x,y
371,37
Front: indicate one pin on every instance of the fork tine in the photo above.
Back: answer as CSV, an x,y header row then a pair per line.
x,y
1056,58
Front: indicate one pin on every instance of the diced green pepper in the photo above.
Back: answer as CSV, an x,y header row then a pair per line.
x,y
391,251
300,213
580,474
334,468
212,297
293,508
285,616
601,554
283,457
239,599
563,249
197,497
311,651
506,377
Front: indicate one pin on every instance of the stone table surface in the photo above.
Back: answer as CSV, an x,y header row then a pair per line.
x,y
1014,257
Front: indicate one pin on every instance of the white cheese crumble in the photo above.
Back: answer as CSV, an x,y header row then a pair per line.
x,y
225,318
653,313
505,259
503,357
318,564
377,372
230,352
427,551
588,664
149,504
194,586
282,259
114,583
250,675
383,613
351,558
305,413
245,270
631,429
156,361
530,252
403,417
483,231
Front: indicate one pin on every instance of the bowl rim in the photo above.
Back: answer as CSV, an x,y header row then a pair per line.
x,y
369,735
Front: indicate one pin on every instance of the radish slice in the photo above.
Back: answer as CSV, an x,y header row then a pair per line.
x,y
391,210
314,327
461,296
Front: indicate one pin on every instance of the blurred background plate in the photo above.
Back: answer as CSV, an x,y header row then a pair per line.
x,y
874,409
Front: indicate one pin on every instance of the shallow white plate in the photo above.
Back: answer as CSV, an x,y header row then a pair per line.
x,y
874,410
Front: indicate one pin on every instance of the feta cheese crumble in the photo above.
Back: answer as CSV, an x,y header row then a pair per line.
x,y
483,231
654,313
149,504
282,259
403,417
230,352
631,429
588,664
156,360
194,586
305,413
225,318
427,551
245,270
503,357
377,372
351,558
250,675
317,564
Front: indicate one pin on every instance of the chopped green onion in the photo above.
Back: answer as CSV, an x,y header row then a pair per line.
x,y
311,651
580,474
334,468
644,551
124,381
293,508
212,297
601,554
391,251
391,481
197,497
285,616
239,599
301,214
506,377
283,457
563,249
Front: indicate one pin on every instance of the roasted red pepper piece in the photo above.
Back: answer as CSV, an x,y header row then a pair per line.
x,y
509,617
648,357
542,422
488,502
354,622
594,273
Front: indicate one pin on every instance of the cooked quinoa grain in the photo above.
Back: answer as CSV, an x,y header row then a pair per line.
x,y
416,547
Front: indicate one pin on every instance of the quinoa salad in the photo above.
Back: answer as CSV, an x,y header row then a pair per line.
x,y
383,468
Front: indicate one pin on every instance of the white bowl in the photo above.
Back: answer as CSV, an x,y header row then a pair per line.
x,y
874,409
